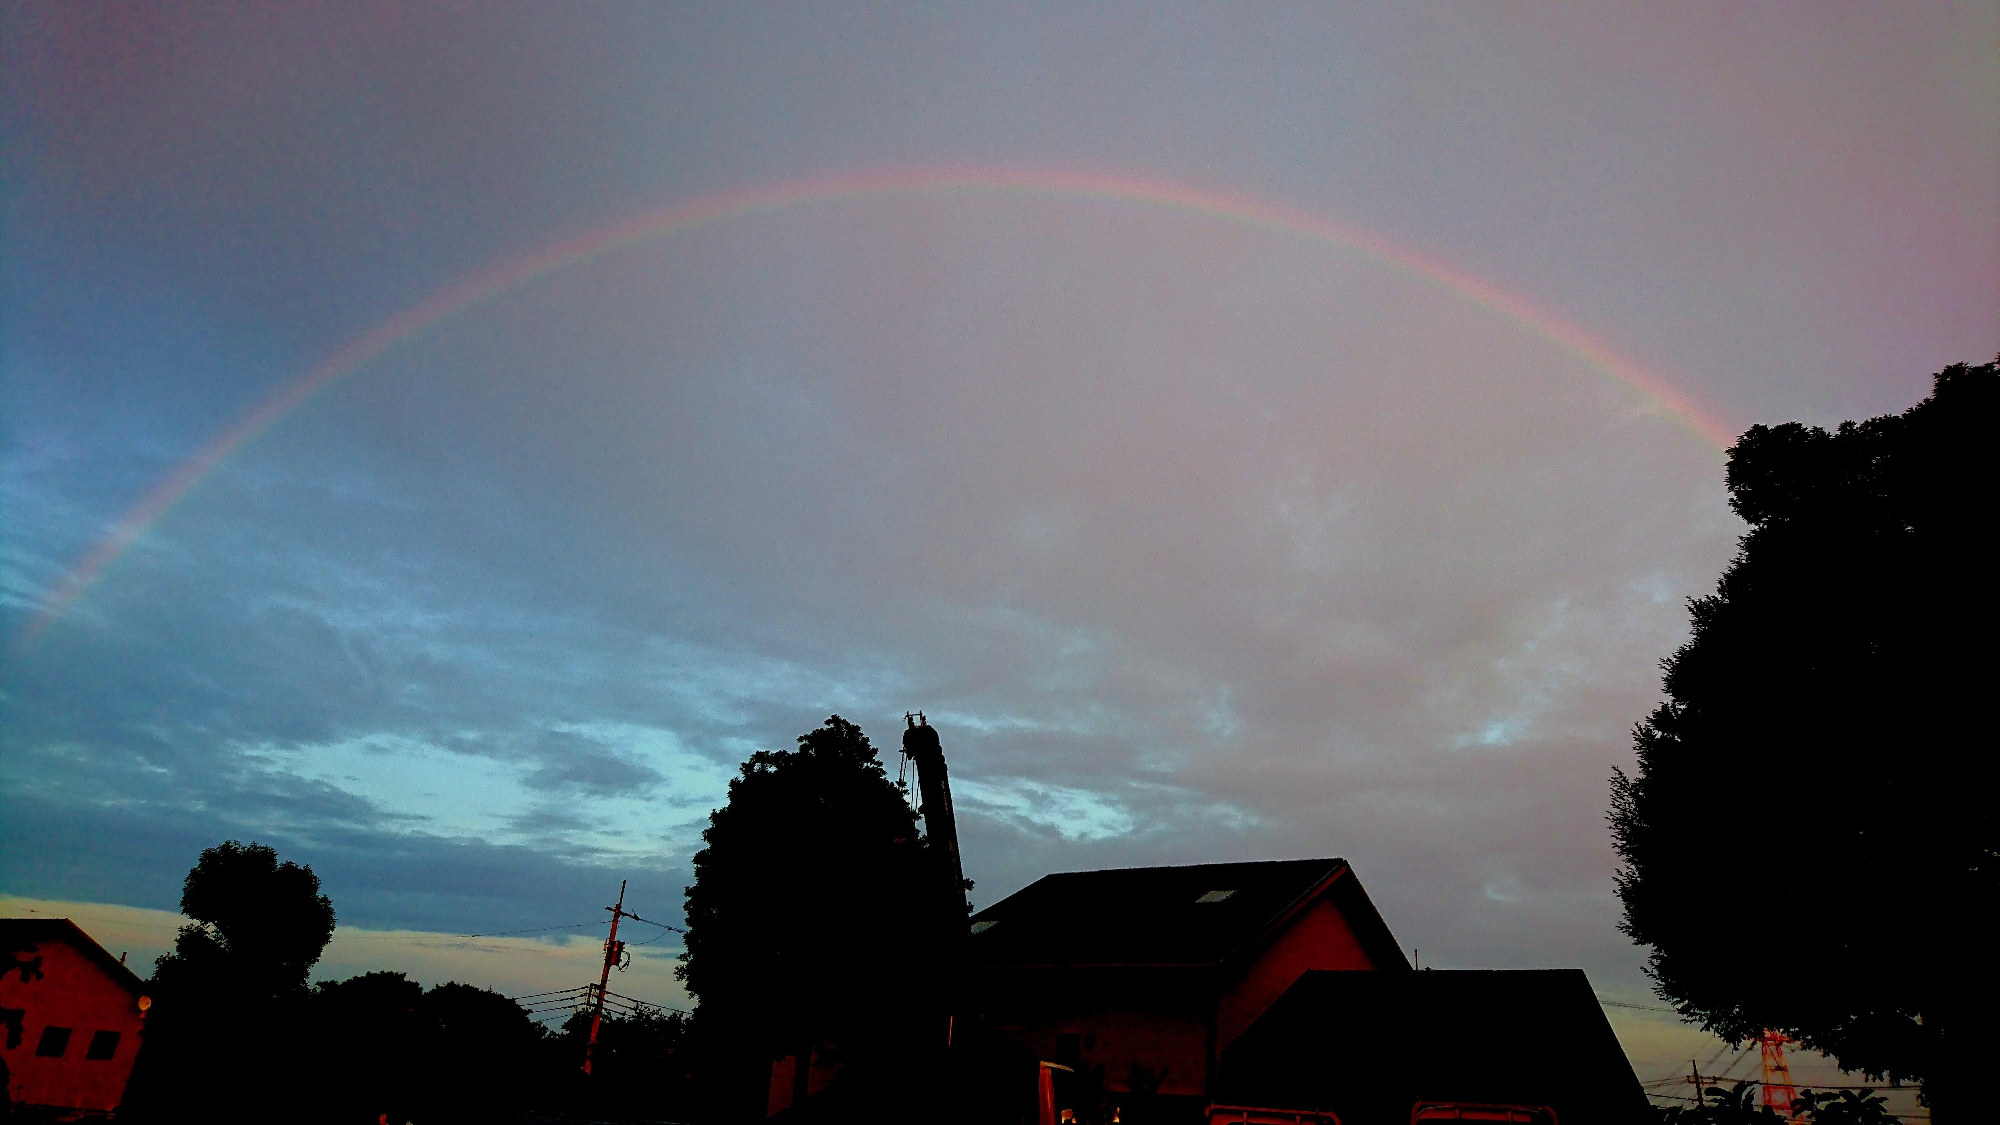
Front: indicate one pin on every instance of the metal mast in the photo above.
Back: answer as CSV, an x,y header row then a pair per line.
x,y
1778,1092
920,745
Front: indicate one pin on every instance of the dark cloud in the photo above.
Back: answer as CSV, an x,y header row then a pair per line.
x,y
578,766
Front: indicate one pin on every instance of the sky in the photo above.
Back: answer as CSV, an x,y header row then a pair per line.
x,y
443,441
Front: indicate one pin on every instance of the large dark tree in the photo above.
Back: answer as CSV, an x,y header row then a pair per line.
x,y
229,1029
259,925
814,904
1809,838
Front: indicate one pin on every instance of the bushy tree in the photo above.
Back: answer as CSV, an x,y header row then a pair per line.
x,y
814,904
1718,1106
1844,1107
1809,839
646,1066
369,1052
227,1028
454,1053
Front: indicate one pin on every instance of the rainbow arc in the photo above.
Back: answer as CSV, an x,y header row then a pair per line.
x,y
481,287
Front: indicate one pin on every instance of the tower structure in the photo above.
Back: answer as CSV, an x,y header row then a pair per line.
x,y
1778,1092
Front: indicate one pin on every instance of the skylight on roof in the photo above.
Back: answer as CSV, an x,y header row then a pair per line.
x,y
982,927
1215,896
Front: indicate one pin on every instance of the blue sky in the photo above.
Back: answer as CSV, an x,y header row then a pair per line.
x,y
1198,542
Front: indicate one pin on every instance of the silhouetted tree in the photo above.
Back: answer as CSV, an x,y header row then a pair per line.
x,y
225,1035
813,907
1845,1107
1723,1107
456,1053
1809,839
646,1066
370,1053
487,1057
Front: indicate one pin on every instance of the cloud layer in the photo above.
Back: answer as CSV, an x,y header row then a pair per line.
x,y
1197,542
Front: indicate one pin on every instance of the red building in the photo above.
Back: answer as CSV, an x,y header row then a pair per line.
x,y
71,1018
1138,980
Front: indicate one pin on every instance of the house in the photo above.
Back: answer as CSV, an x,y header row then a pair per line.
x,y
1526,1045
1135,982
71,1018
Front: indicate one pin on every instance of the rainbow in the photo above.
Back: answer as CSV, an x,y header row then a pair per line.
x,y
478,288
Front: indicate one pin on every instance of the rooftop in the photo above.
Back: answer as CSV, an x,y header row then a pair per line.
x,y
1509,1036
1192,916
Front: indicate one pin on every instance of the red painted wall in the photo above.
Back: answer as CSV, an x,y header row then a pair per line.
x,y
1170,1028
779,1097
73,992
1319,938
1117,1037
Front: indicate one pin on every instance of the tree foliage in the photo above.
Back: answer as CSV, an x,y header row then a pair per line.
x,y
237,971
259,925
646,1065
813,889
1844,1107
1718,1106
381,1043
1809,838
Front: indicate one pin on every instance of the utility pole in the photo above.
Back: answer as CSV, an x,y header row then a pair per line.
x,y
613,948
1695,1070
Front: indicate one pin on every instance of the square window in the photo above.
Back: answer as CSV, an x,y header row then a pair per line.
x,y
103,1045
55,1040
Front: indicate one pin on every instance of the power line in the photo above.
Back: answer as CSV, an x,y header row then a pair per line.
x,y
538,930
1639,1007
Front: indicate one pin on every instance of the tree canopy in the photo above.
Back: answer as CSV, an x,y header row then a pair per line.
x,y
240,967
259,923
1809,838
812,890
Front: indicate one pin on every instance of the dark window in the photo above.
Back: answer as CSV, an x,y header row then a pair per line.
x,y
103,1045
55,1040
1069,1049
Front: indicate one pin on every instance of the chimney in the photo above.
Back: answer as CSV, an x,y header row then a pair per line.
x,y
920,745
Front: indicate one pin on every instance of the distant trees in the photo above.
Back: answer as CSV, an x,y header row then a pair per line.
x,y
1809,839
647,1065
813,889
1741,1106
237,1035
380,1043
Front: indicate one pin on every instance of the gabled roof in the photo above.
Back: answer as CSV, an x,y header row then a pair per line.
x,y
1368,1046
19,935
1193,916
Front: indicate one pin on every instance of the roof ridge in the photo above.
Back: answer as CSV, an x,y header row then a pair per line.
x,y
89,946
1194,866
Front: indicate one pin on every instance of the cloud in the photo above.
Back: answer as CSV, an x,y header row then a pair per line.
x,y
1269,556
1197,541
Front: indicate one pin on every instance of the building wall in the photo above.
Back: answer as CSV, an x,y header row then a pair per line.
x,y
73,992
1117,1037
783,1071
1319,938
